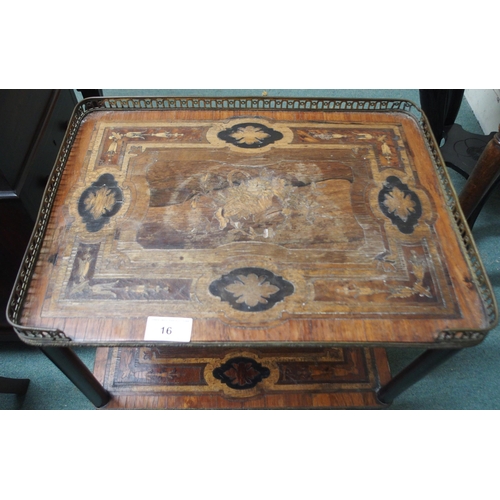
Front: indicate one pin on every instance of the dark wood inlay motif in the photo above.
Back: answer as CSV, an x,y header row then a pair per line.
x,y
398,202
251,289
250,135
241,373
99,202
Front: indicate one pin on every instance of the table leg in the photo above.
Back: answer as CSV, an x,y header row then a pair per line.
x,y
14,385
414,372
74,368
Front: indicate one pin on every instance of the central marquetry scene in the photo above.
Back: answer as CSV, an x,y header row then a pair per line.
x,y
249,221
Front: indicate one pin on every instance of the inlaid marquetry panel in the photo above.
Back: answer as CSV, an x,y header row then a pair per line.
x,y
168,212
222,378
254,225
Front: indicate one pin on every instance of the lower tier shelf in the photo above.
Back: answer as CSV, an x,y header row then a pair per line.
x,y
239,378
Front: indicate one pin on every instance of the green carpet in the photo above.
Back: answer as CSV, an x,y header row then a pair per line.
x,y
467,381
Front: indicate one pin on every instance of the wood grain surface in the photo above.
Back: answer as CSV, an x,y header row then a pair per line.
x,y
265,227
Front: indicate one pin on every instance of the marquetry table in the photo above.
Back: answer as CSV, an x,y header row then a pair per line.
x,y
249,253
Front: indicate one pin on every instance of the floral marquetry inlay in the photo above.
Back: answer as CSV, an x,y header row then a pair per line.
x,y
400,204
99,202
250,135
251,289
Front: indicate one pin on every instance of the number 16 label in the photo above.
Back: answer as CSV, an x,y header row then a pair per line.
x,y
168,329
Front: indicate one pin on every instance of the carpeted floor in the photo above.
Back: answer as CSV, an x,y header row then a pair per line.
x,y
467,381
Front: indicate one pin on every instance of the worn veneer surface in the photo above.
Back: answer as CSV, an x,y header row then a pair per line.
x,y
262,226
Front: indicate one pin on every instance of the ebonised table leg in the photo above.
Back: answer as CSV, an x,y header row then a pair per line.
x,y
14,385
74,368
414,372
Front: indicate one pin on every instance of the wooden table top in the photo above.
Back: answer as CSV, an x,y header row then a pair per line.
x,y
263,225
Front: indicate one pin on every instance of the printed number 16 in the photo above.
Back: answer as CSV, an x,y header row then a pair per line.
x,y
167,330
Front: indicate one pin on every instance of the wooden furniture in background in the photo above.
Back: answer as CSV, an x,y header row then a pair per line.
x,y
302,236
31,131
441,107
483,178
462,149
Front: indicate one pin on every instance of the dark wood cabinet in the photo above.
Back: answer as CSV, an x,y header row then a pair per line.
x,y
32,127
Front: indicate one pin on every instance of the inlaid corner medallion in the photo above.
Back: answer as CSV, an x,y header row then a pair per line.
x,y
250,135
241,373
99,202
251,289
400,204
